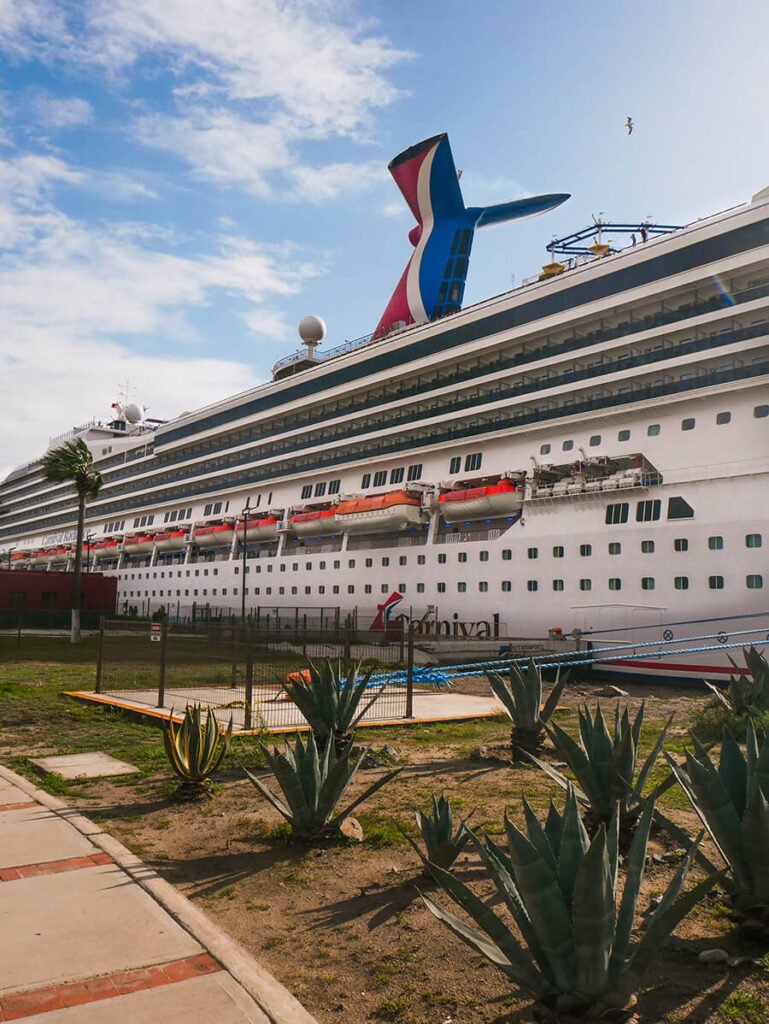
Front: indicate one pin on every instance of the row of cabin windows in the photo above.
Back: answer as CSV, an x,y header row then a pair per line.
x,y
655,429
680,544
647,511
754,581
117,527
320,489
715,543
143,521
178,514
397,475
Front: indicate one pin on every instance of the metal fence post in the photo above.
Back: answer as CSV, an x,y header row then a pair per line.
x,y
410,674
249,702
100,657
162,675
347,632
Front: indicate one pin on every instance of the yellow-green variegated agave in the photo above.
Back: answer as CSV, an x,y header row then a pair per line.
x,y
573,951
195,748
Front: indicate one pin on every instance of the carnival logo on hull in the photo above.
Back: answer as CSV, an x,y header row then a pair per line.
x,y
384,611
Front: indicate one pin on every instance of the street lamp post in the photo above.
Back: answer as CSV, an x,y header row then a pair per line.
x,y
245,513
88,541
9,552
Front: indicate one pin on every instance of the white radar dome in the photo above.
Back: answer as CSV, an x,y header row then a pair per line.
x,y
133,413
312,330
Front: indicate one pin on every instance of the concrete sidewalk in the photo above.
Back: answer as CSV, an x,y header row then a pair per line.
x,y
91,935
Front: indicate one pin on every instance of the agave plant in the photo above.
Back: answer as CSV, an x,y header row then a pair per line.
x,y
329,694
748,692
731,802
195,749
605,765
442,844
574,953
313,786
521,696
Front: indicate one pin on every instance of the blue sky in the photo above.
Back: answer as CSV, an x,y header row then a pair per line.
x,y
181,181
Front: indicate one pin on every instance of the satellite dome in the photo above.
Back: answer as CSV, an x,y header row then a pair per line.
x,y
133,413
312,330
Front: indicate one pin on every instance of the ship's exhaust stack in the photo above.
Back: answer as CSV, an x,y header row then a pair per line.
x,y
433,283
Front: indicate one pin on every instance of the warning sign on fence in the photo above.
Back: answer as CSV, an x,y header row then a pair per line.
x,y
155,631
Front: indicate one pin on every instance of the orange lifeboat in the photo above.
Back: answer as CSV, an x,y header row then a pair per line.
x,y
314,523
170,540
215,536
19,558
39,557
61,554
500,499
263,528
106,549
142,544
394,511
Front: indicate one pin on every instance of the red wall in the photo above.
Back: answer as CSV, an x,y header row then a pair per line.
x,y
98,592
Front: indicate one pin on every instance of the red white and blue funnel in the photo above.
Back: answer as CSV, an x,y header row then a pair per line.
x,y
433,282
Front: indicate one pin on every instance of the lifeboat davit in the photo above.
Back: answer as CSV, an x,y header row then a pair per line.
x,y
394,511
171,540
265,528
217,536
141,545
38,557
106,549
315,523
500,499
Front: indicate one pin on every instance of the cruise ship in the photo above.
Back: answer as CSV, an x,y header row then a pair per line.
x,y
586,454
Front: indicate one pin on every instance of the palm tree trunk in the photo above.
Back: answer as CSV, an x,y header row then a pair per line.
x,y
75,626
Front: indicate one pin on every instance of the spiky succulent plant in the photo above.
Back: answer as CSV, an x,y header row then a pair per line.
x,y
574,953
442,844
732,801
520,694
195,749
604,765
313,786
748,692
329,694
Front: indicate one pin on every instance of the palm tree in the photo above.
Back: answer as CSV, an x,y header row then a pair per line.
x,y
73,463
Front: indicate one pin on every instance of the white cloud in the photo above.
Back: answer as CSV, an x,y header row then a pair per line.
x,y
319,184
59,111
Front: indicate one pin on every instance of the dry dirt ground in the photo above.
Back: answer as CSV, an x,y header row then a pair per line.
x,y
342,924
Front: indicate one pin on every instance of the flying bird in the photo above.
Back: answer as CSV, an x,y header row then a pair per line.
x,y
629,125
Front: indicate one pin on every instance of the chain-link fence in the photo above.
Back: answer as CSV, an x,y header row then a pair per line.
x,y
237,671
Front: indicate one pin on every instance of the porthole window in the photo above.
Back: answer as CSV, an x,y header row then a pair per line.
x,y
716,543
681,582
586,550
462,587
568,446
483,586
760,412
623,435
615,583
754,581
716,582
385,561
558,551
688,423
653,430
544,449
585,584
441,587
647,547
615,548
681,544
532,585
402,560
723,417
595,440
647,583
753,540
420,588
462,556
558,585
507,554
534,552
442,558
367,588
421,559
369,563
483,556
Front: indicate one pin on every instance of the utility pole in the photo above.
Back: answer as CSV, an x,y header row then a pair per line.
x,y
245,513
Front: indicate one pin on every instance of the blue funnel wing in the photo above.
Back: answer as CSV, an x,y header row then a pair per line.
x,y
516,210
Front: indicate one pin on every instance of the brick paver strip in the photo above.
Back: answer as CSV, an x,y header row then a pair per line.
x,y
75,993
53,867
18,807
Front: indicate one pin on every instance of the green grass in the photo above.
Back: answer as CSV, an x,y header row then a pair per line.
x,y
743,1008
